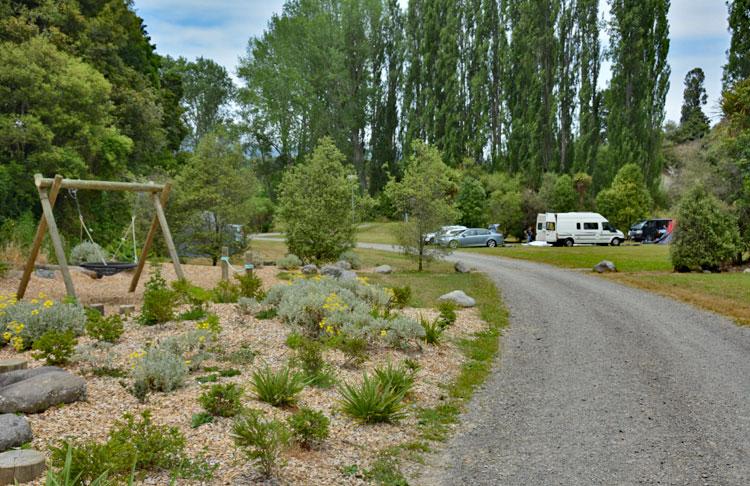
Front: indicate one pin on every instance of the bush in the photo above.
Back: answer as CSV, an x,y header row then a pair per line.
x,y
707,235
352,258
107,329
289,262
242,356
354,349
433,330
87,252
372,401
158,370
310,358
210,324
158,301
309,427
628,200
399,378
196,297
222,400
401,296
261,440
251,286
22,323
55,347
278,388
225,292
447,312
401,331
248,305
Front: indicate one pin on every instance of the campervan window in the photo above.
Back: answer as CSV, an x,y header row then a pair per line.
x,y
590,226
540,226
606,226
551,226
578,226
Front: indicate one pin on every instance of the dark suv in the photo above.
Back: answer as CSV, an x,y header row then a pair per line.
x,y
650,230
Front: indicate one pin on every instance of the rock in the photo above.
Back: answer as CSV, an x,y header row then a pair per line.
x,y
97,307
458,297
707,271
384,269
126,309
347,275
24,374
331,271
747,270
343,265
40,391
44,273
14,431
461,267
310,269
7,365
21,466
605,266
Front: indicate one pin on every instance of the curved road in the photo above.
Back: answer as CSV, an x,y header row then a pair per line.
x,y
602,384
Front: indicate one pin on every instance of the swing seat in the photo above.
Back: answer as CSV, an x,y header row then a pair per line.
x,y
111,268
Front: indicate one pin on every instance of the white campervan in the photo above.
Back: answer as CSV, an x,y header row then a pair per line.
x,y
576,228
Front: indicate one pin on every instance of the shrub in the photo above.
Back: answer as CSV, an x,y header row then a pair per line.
x,y
309,427
88,252
64,476
158,370
261,440
212,378
352,258
196,297
278,388
354,349
55,347
4,267
251,286
402,330
22,323
225,292
433,330
248,305
401,296
107,329
371,402
310,358
229,373
211,324
399,378
447,312
158,301
289,262
199,419
242,356
706,236
222,400
627,200
193,314
266,314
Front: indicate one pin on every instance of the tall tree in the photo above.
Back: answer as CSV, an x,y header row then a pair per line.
x,y
568,58
589,99
693,122
639,44
738,56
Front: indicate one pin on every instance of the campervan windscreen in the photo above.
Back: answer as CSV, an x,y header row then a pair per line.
x,y
606,226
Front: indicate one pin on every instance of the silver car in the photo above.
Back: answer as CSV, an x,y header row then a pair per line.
x,y
472,237
431,238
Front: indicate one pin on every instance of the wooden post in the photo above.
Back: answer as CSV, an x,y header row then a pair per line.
x,y
249,263
167,236
57,242
149,241
225,263
41,229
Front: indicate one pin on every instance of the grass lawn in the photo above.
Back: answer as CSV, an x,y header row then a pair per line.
x,y
376,233
269,250
644,258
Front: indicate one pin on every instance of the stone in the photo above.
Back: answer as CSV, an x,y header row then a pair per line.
x,y
384,269
14,431
310,269
605,266
331,271
126,309
707,272
36,390
461,267
344,265
747,270
14,364
44,273
97,307
21,466
459,298
347,275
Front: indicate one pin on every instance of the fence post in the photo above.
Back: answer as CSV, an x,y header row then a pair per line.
x,y
225,263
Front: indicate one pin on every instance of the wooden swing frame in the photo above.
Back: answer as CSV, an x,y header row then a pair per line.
x,y
48,191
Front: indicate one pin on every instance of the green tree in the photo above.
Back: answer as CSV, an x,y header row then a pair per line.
x,y
589,98
505,205
471,203
424,196
693,122
706,236
737,67
627,200
315,205
582,183
214,191
564,196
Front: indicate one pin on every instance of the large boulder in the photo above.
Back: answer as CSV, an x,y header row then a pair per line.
x,y
36,390
331,271
7,365
14,431
310,269
384,269
459,298
605,266
21,466
461,267
347,275
344,265
747,270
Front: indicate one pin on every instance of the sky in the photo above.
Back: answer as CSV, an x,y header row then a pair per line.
x,y
220,29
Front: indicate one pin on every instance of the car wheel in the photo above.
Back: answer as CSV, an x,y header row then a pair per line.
x,y
569,242
453,244
616,242
491,244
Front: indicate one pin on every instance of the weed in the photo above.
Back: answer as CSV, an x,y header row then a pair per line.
x,y
355,350
229,373
261,440
433,330
225,292
447,312
401,296
242,356
266,314
212,378
200,419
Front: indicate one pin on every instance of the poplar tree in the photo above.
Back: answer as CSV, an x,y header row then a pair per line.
x,y
693,122
738,55
589,99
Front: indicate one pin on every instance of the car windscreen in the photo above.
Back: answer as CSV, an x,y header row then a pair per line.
x,y
606,226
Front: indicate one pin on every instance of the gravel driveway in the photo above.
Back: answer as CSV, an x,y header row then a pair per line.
x,y
603,384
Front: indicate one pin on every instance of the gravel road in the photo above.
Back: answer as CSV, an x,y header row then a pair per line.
x,y
603,384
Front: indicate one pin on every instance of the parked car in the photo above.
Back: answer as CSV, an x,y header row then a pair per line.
x,y
568,229
650,230
431,238
471,237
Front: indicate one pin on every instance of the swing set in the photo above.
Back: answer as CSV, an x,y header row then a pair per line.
x,y
49,189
